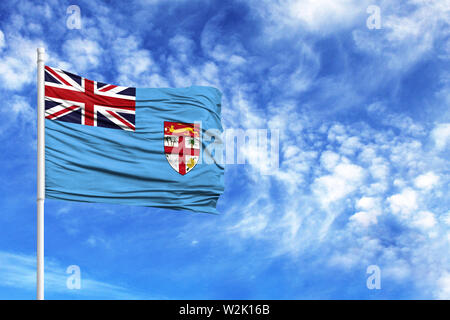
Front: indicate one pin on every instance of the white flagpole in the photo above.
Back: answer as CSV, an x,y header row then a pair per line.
x,y
40,174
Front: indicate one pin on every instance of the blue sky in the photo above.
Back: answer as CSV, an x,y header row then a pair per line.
x,y
364,123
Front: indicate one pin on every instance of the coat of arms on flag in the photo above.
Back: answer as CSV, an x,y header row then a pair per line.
x,y
182,145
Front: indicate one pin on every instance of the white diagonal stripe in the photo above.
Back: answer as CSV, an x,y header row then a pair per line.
x,y
110,117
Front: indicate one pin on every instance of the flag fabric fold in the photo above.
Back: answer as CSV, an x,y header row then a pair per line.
x,y
135,146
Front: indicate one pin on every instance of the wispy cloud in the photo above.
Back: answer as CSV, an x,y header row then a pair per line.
x,y
19,271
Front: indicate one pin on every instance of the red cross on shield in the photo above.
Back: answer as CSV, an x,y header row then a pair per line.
x,y
182,144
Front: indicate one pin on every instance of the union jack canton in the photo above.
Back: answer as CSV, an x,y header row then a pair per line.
x,y
75,99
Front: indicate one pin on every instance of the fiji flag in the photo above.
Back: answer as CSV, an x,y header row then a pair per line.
x,y
107,143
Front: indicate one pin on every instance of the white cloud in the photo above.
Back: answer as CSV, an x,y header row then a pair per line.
x,y
398,269
320,15
183,47
131,60
2,40
291,151
409,31
403,203
446,218
405,154
303,222
364,218
18,62
426,181
251,225
337,133
367,203
329,160
84,54
424,220
95,241
350,146
441,135
346,178
395,120
313,15
444,286
367,154
370,209
21,108
16,111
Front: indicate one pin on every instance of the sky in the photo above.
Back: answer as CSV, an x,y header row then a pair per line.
x,y
364,135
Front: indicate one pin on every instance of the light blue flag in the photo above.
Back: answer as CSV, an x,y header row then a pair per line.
x,y
113,144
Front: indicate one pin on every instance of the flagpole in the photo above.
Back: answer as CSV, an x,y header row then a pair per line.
x,y
40,174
